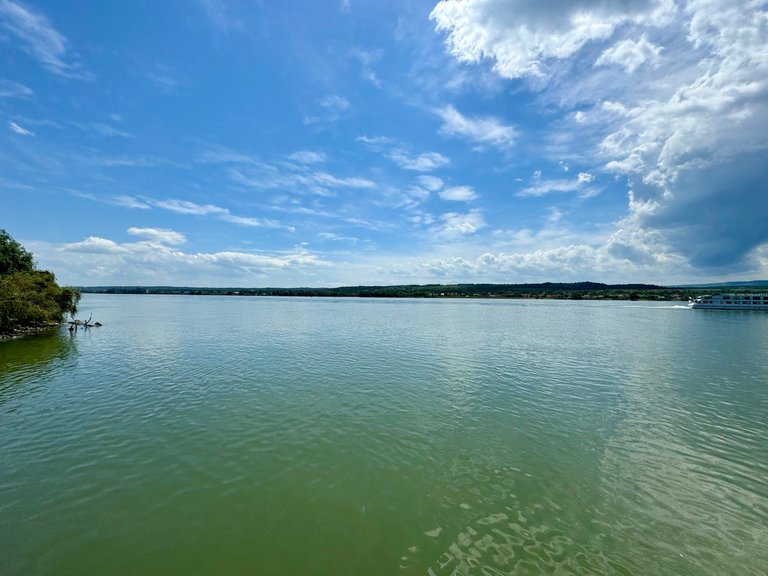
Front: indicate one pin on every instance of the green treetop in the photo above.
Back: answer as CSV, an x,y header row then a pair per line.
x,y
29,298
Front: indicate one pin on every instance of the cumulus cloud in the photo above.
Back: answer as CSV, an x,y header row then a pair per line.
x,y
520,37
160,235
457,224
630,54
687,132
94,245
156,259
431,183
485,130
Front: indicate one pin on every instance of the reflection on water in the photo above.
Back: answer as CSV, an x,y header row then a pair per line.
x,y
296,436
24,362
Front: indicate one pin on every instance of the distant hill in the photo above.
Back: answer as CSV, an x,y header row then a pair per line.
x,y
736,284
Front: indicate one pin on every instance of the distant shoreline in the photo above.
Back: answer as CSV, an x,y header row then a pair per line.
x,y
547,290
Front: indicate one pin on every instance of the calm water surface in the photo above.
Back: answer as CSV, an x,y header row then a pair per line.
x,y
207,435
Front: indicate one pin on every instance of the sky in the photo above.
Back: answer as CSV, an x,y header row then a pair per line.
x,y
345,142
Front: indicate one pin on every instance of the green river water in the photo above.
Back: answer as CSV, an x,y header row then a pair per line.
x,y
237,435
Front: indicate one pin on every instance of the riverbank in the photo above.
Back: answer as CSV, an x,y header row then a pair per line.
x,y
24,331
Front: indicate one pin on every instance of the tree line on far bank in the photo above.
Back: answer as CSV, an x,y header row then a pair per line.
x,y
29,298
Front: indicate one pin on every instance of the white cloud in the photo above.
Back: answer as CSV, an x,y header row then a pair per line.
x,y
456,224
307,157
106,130
688,132
94,245
19,130
431,183
160,235
39,39
521,37
630,54
325,179
376,142
543,187
484,130
426,162
335,103
250,222
187,207
293,176
165,78
102,260
11,89
367,59
129,202
458,193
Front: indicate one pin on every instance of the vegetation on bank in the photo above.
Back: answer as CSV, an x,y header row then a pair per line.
x,y
566,291
29,298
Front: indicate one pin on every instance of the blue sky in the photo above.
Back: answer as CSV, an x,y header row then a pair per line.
x,y
246,143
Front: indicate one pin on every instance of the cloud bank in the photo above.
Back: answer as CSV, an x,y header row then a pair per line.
x,y
671,96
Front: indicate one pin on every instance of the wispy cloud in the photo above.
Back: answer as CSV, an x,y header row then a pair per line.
x,y
105,130
367,59
165,78
307,157
221,16
296,173
376,142
187,207
11,89
426,162
19,129
484,130
542,187
40,39
129,202
333,106
399,152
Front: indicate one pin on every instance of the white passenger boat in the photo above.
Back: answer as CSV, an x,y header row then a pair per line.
x,y
731,302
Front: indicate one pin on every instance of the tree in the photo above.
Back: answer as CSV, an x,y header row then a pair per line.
x,y
29,298
13,256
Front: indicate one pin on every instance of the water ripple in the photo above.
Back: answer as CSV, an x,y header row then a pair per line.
x,y
226,435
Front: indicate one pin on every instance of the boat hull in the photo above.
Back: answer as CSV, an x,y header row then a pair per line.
x,y
731,302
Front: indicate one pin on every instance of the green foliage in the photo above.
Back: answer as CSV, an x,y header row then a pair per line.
x,y
29,298
13,256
